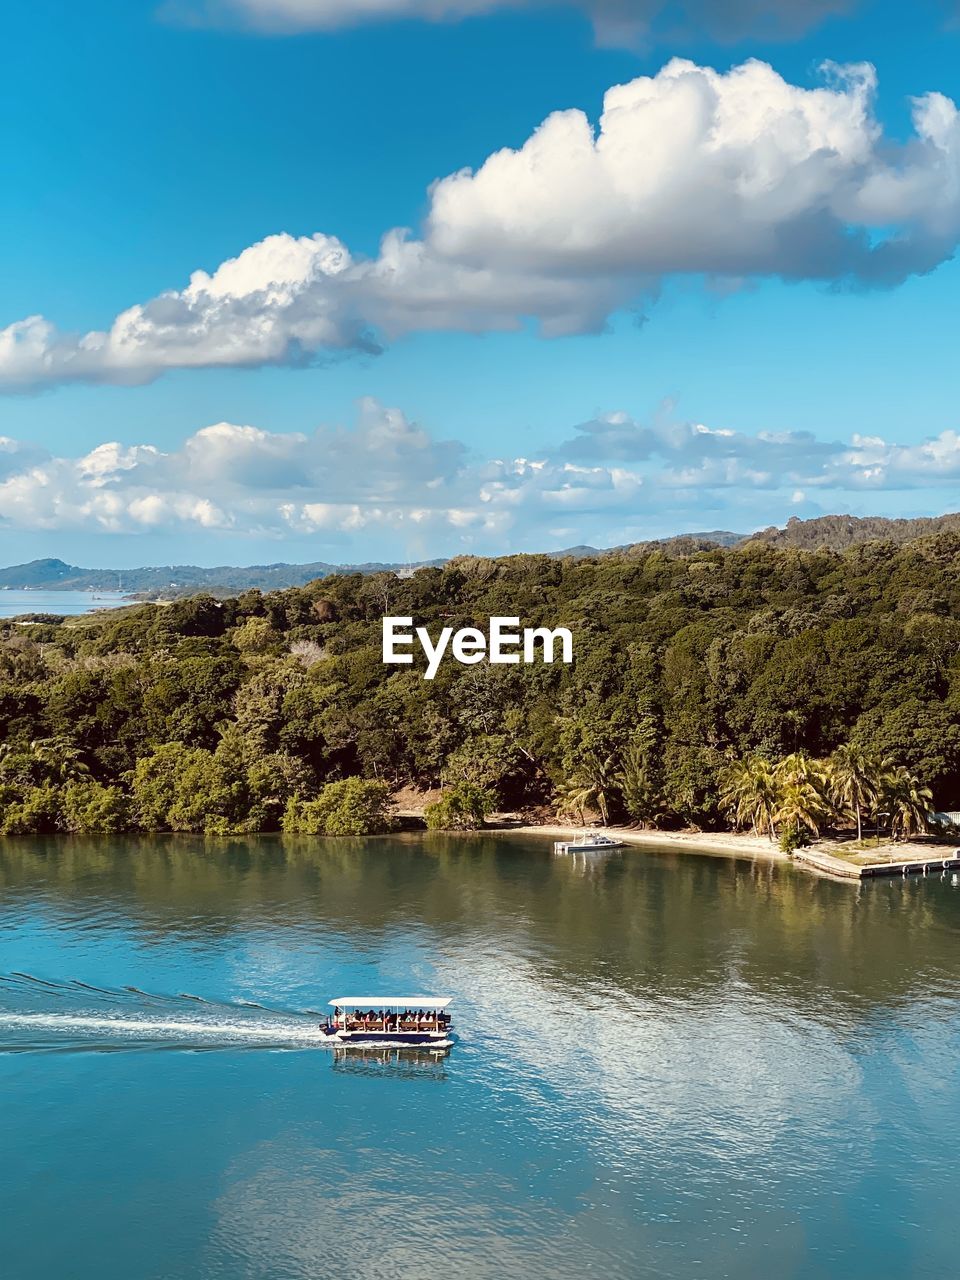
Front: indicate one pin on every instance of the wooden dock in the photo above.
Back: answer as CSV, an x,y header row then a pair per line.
x,y
826,864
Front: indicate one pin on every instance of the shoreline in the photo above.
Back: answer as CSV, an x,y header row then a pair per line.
x,y
733,843
827,861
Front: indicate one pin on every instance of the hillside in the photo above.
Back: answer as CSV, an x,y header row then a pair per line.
x,y
829,533
836,533
187,579
233,715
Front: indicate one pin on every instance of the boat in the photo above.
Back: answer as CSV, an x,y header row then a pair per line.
x,y
589,842
417,1022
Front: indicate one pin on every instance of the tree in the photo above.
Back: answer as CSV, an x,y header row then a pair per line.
x,y
908,802
486,762
800,812
89,808
254,636
462,807
180,788
39,811
854,779
59,758
351,807
802,801
691,784
591,783
637,776
751,794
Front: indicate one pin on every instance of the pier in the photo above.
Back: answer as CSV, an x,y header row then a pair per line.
x,y
828,864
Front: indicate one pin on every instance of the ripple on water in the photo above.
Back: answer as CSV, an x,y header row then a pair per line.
x,y
667,1067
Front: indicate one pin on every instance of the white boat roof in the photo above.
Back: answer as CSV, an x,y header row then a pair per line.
x,y
392,1002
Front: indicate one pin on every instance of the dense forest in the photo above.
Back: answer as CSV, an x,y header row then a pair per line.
x,y
693,674
837,533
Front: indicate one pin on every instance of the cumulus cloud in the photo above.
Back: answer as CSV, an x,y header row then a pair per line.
x,y
736,174
387,483
615,21
690,172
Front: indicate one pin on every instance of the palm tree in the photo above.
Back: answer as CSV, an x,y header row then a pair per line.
x,y
908,802
801,806
798,767
62,760
749,793
802,801
854,780
591,783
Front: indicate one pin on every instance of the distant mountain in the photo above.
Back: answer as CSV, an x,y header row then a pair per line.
x,y
187,579
681,543
836,533
178,579
575,553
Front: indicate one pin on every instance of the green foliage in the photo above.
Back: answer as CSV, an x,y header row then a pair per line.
x,y
591,784
351,807
639,780
237,715
37,809
490,762
799,795
89,808
462,807
792,838
254,636
750,794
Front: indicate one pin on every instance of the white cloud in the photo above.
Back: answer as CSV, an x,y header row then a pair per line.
x,y
615,21
731,176
388,484
737,174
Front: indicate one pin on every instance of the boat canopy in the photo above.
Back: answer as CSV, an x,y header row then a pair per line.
x,y
391,1002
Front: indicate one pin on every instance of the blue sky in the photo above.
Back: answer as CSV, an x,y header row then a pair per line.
x,y
141,148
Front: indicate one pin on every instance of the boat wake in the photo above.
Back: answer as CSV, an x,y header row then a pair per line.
x,y
40,1016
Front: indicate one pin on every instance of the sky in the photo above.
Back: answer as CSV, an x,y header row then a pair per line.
x,y
294,280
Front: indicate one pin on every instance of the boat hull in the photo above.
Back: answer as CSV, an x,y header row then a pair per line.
x,y
571,846
394,1039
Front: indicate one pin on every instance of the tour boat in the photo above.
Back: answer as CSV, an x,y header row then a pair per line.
x,y
417,1021
590,842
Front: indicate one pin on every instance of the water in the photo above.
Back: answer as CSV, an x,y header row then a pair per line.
x,y
68,603
668,1066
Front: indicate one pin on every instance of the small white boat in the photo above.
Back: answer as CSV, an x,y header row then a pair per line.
x,y
417,1022
589,842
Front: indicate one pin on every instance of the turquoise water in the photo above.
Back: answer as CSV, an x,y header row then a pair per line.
x,y
67,603
667,1066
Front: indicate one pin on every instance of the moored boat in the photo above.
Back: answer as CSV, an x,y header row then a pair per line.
x,y
589,842
412,1021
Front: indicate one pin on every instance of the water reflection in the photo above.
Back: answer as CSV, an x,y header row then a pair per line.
x,y
656,926
668,1066
396,1062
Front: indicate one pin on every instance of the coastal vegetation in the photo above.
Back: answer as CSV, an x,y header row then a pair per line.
x,y
772,688
798,796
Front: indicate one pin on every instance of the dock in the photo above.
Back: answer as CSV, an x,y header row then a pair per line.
x,y
828,865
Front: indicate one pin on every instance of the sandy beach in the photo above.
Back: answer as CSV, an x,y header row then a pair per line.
x,y
731,843
735,844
